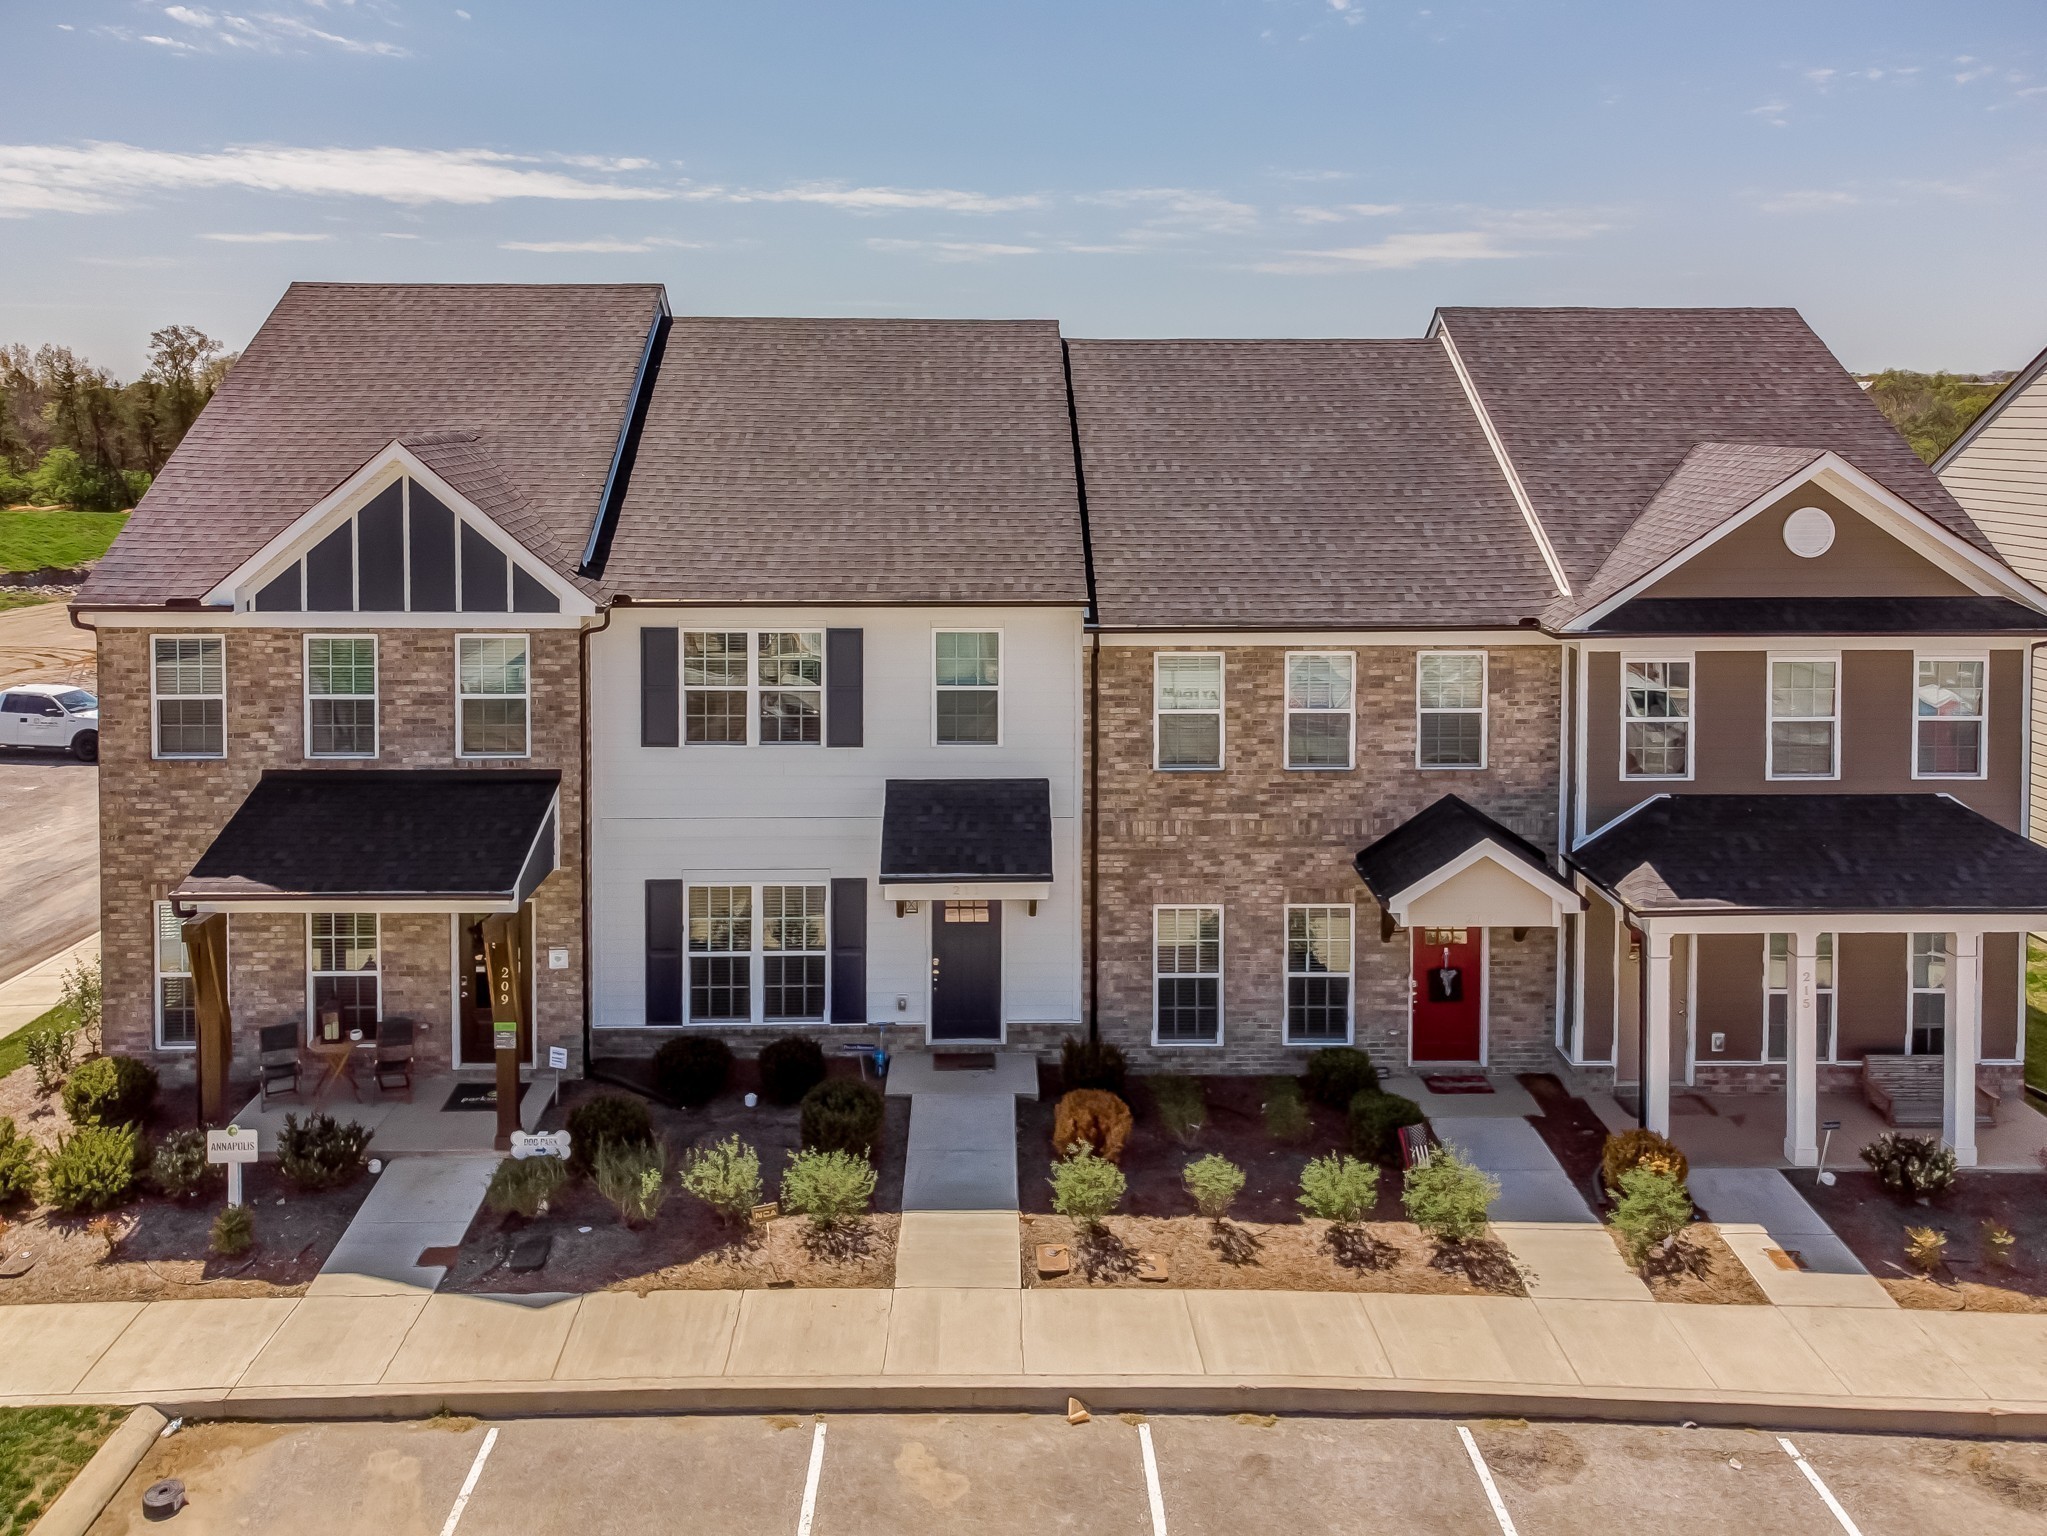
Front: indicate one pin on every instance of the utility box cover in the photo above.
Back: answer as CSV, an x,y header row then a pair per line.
x,y
231,1146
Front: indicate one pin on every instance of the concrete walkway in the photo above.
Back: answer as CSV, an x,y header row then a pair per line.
x,y
27,997
1758,1211
959,1227
418,1203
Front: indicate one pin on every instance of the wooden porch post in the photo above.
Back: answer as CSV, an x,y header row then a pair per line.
x,y
1801,1052
206,942
1962,1036
507,1013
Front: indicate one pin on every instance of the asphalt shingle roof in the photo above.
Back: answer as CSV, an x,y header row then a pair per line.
x,y
966,829
1433,837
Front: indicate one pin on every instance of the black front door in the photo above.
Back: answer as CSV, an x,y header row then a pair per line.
x,y
966,971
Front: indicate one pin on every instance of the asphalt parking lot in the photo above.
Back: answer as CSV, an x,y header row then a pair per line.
x,y
1011,1474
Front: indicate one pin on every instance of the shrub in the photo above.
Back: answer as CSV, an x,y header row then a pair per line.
x,y
2000,1244
1375,1117
92,1168
1094,1116
179,1167
110,1090
1091,1064
1182,1106
1653,1208
633,1176
17,1162
521,1186
1286,1112
1339,1073
1339,1188
323,1153
841,1114
829,1186
1918,1166
1214,1182
83,997
692,1070
1925,1247
51,1053
790,1067
607,1119
1086,1186
234,1231
1448,1198
1640,1149
726,1177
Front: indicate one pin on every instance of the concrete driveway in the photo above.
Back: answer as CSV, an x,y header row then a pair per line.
x,y
49,803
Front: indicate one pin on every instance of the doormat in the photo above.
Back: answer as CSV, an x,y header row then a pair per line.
x,y
473,1096
1456,1082
963,1061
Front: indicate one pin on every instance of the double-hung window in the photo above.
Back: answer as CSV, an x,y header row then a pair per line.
x,y
741,687
1656,719
1450,709
341,696
188,691
1927,1035
1318,975
177,1004
967,707
492,695
1187,709
343,970
1805,719
1187,972
757,954
1320,694
1947,719
1777,1000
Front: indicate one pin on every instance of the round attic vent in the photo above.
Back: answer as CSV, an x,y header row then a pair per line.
x,y
1808,532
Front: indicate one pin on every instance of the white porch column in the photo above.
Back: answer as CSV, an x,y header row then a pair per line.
x,y
1801,1053
1964,1031
1656,1030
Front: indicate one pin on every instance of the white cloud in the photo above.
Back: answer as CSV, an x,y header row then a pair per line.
x,y
597,247
212,31
871,199
1396,253
1808,201
1181,209
954,250
1338,213
266,237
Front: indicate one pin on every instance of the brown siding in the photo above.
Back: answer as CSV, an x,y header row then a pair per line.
x,y
1731,996
1869,993
2002,975
1602,930
1752,561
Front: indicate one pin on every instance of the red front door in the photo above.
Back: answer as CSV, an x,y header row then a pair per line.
x,y
1449,993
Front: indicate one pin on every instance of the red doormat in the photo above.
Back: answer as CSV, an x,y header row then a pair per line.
x,y
1456,1082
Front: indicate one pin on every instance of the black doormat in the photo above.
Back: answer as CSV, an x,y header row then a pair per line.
x,y
473,1096
963,1061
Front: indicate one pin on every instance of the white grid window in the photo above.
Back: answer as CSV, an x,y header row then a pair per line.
x,y
1187,970
177,1004
493,700
1656,719
341,696
1187,709
1777,998
343,970
1319,717
1927,1035
967,683
1948,719
742,687
757,954
1805,719
1318,975
188,692
1450,709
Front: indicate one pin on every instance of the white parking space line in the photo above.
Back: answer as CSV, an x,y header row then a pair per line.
x,y
803,1521
469,1483
1820,1488
1492,1489
1151,1482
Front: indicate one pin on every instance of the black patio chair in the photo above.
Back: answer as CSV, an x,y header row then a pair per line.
x,y
277,1062
394,1054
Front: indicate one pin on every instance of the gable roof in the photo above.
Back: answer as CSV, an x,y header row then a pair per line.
x,y
1436,837
853,461
522,390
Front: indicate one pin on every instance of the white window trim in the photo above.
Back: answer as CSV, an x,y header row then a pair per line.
x,y
999,690
1771,717
1287,713
753,688
1945,991
756,956
160,974
1764,1058
1221,971
1691,719
1350,1001
1221,713
156,751
527,751
376,698
1484,713
1982,736
312,1024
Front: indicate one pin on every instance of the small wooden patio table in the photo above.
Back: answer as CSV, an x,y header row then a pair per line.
x,y
341,1058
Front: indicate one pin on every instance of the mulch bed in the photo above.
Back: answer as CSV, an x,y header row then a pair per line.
x,y
1702,1271
1872,1223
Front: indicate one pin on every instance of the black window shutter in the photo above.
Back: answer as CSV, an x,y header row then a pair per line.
x,y
843,687
664,951
849,948
660,707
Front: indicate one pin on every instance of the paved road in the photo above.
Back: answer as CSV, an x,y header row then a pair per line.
x,y
49,804
1027,1475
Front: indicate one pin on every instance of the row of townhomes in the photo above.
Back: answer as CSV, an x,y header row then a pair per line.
x,y
1602,690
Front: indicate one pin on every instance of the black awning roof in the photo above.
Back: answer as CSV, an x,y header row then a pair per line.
x,y
1816,853
1429,839
1821,616
940,830
482,836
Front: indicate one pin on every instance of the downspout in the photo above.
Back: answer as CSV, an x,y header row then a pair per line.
x,y
583,828
1092,627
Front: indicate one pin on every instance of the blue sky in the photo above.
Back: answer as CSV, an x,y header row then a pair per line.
x,y
1164,167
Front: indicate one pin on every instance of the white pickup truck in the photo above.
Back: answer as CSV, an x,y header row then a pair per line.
x,y
57,716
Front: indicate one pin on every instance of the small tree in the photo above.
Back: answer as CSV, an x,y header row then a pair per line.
x,y
1448,1197
51,1053
1652,1210
725,1176
829,1187
1286,1112
1214,1182
1182,1106
83,998
1085,1185
234,1229
1339,1188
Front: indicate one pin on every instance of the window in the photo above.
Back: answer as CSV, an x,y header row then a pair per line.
x,y
1948,720
341,696
714,687
1187,709
491,674
731,678
720,952
1777,999
1450,709
1805,720
188,687
777,960
791,676
968,687
344,970
793,962
1928,1033
1656,719
1187,975
1318,709
1318,971
177,1004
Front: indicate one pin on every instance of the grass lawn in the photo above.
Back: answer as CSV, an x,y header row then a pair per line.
x,y
2036,1015
31,538
14,1049
17,597
41,1450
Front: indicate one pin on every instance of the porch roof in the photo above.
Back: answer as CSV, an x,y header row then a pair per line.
x,y
1435,846
946,832
1821,616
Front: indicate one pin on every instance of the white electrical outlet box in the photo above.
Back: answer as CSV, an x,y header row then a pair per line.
x,y
557,959
1719,1040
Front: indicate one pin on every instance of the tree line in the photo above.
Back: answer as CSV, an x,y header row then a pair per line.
x,y
1931,410
71,434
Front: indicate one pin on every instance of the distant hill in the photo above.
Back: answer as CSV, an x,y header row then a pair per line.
x,y
1931,410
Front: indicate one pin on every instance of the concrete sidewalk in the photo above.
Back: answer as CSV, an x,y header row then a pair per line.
x,y
418,1203
28,996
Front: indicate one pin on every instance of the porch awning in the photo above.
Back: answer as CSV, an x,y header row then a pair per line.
x,y
957,839
1453,866
419,840
1816,853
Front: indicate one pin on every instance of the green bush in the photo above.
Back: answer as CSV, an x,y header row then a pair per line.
x,y
1375,1117
1091,1064
606,1119
692,1070
726,1177
1640,1149
1182,1106
521,1186
18,1161
51,1053
790,1067
92,1168
110,1090
1653,1208
1286,1112
323,1153
1916,1166
1337,1074
1214,1182
179,1167
1085,1186
1338,1188
1449,1198
841,1114
633,1176
234,1232
828,1186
